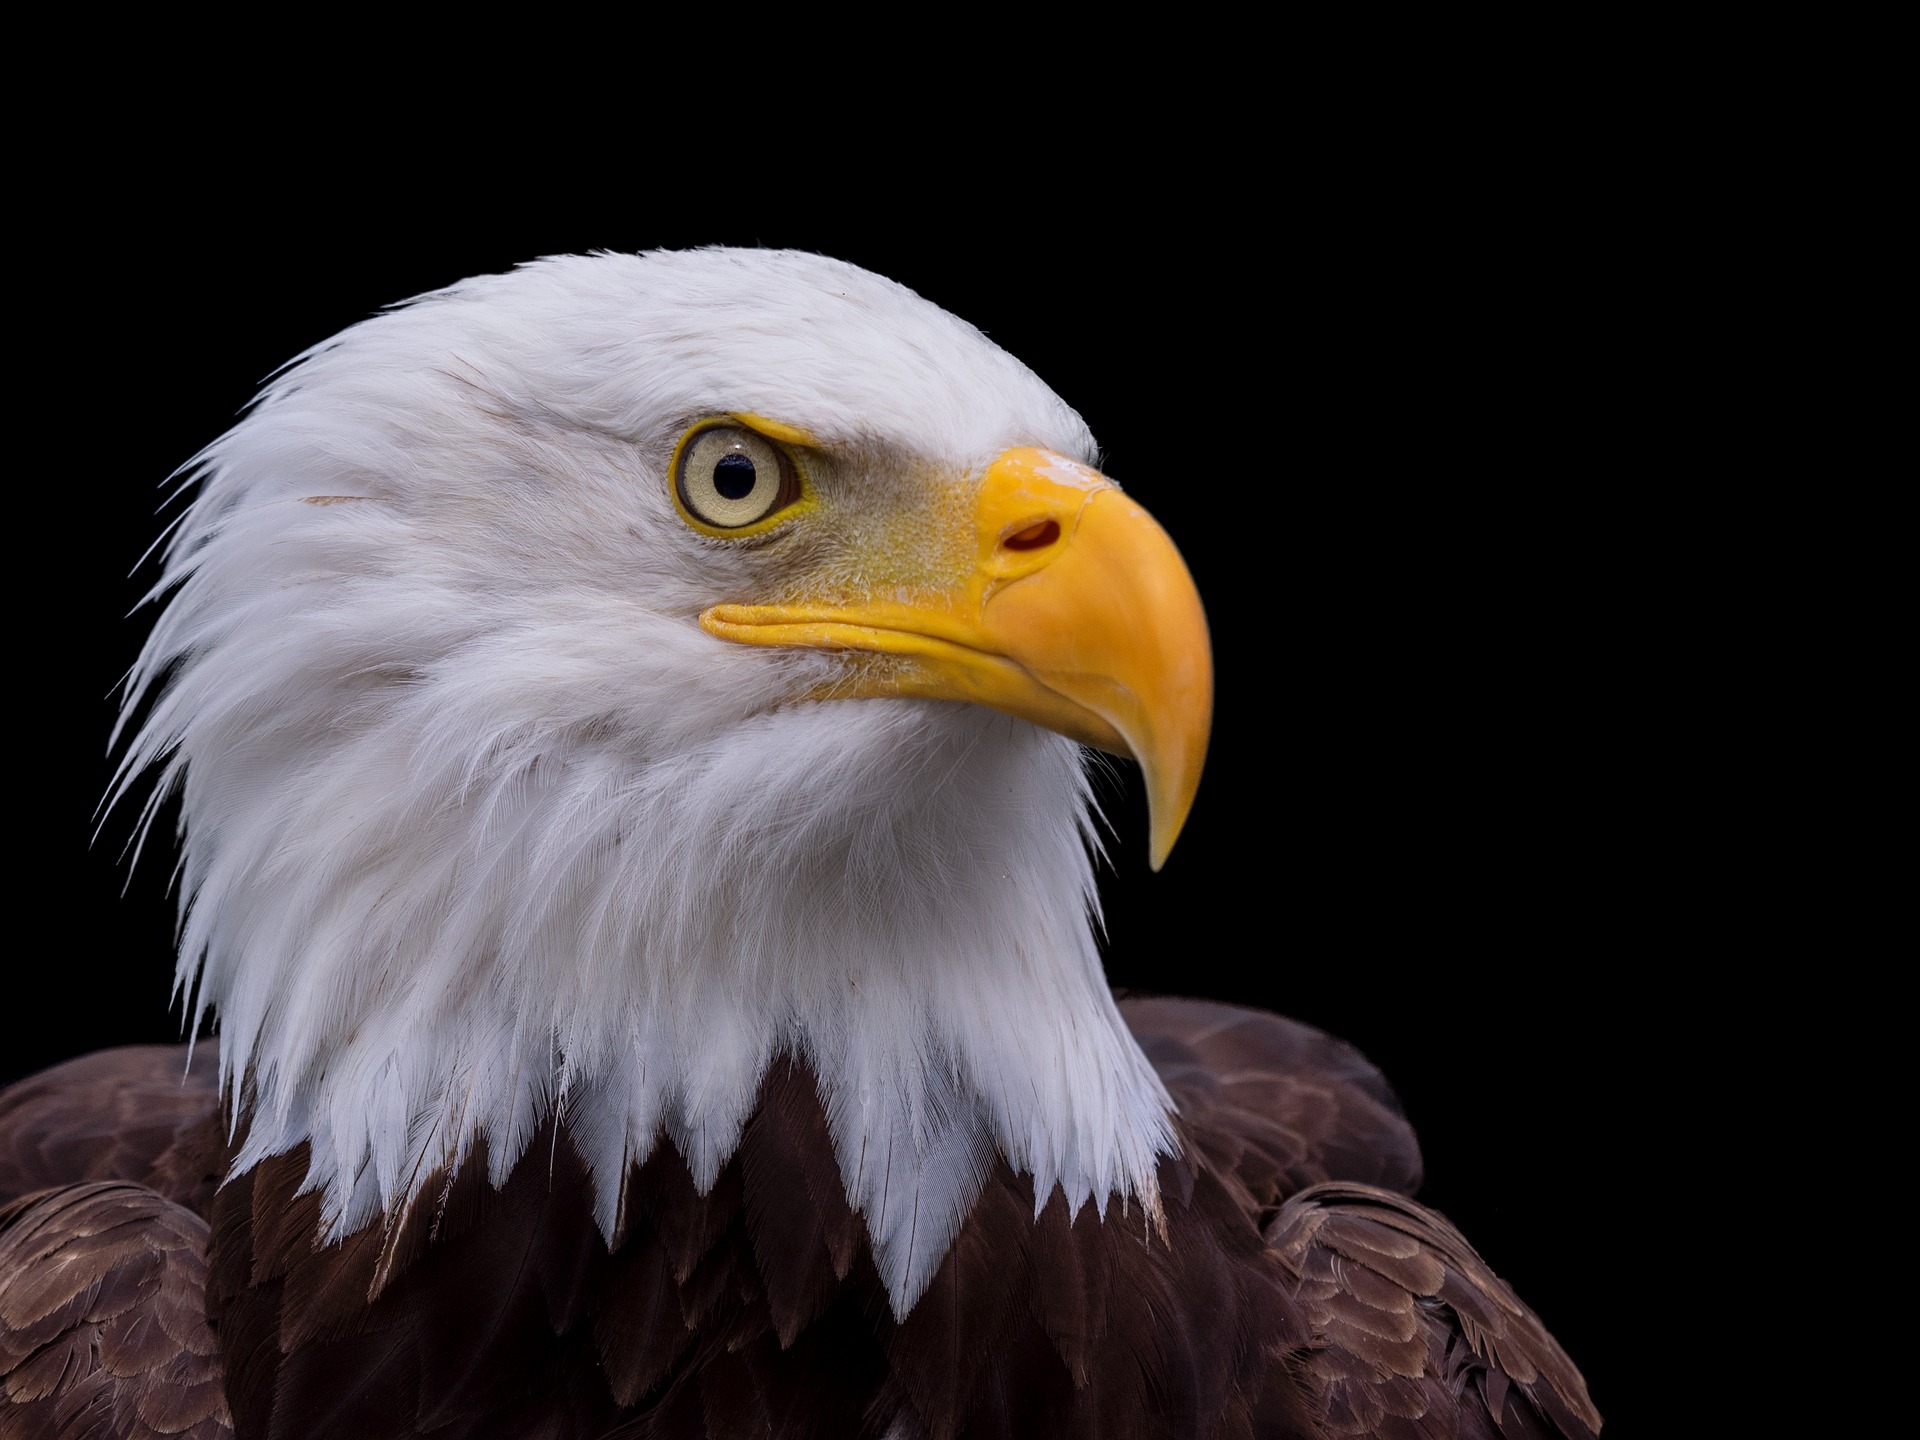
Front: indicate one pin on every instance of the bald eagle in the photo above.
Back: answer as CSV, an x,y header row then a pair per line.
x,y
628,717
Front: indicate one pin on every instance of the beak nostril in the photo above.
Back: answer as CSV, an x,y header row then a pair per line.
x,y
1034,537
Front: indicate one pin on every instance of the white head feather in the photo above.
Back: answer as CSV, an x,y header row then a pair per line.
x,y
478,822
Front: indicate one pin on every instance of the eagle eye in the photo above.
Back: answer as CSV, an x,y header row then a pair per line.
x,y
728,477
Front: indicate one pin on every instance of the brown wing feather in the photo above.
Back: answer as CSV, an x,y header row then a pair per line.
x,y
1414,1335
103,1330
137,1113
1272,1103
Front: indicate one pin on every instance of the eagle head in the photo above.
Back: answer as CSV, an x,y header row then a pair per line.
x,y
587,685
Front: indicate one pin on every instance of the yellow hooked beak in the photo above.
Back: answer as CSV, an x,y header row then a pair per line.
x,y
1076,613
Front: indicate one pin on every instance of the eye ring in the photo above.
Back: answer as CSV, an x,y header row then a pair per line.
x,y
729,479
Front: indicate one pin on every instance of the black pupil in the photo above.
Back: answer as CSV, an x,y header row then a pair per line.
x,y
733,477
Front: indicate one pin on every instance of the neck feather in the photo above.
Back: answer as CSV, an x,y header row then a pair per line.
x,y
411,943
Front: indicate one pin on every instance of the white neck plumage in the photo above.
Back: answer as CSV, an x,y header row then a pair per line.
x,y
411,953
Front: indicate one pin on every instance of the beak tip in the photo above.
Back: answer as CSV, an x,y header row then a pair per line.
x,y
1170,800
1160,842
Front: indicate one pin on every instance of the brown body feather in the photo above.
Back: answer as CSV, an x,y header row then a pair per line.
x,y
103,1325
1290,1294
140,1113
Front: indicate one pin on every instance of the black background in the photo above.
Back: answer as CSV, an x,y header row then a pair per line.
x,y
1374,391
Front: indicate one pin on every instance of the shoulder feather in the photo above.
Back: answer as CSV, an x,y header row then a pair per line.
x,y
133,1113
1272,1104
1415,1337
